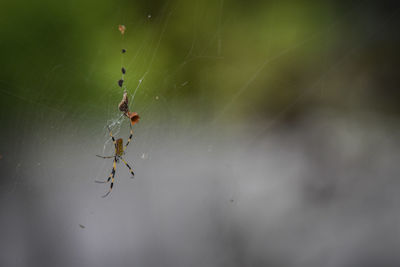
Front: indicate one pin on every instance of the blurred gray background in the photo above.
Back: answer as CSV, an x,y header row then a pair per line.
x,y
268,133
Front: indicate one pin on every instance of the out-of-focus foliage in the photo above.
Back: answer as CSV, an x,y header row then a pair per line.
x,y
229,59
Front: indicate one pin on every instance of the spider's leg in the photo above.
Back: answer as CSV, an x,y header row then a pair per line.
x,y
103,182
129,167
112,137
111,177
110,157
129,139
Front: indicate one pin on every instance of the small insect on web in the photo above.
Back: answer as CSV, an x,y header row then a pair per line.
x,y
118,143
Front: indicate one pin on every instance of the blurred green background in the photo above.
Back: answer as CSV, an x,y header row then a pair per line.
x,y
268,133
204,61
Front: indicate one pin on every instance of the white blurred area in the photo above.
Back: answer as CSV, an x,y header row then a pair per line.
x,y
323,191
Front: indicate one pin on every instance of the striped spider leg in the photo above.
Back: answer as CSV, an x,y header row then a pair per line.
x,y
119,151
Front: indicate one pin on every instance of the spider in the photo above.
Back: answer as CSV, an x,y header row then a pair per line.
x,y
119,151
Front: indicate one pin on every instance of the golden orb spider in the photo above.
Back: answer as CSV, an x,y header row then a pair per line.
x,y
119,151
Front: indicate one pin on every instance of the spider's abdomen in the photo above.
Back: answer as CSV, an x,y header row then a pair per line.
x,y
119,150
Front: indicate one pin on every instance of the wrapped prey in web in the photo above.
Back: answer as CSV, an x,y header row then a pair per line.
x,y
134,117
122,29
124,107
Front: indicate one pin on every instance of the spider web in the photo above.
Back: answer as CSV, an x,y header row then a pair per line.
x,y
257,144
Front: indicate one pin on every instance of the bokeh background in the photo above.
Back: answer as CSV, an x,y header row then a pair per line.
x,y
268,133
